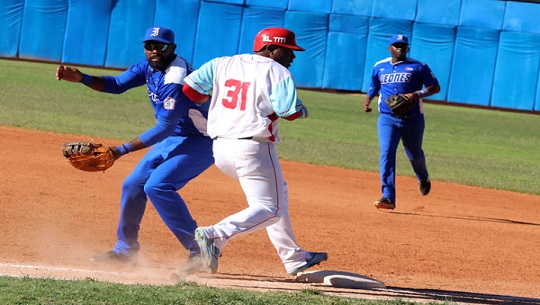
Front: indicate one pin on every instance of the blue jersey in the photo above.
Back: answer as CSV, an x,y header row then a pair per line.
x,y
175,113
406,76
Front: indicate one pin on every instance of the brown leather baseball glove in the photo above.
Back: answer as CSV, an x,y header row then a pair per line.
x,y
400,104
87,156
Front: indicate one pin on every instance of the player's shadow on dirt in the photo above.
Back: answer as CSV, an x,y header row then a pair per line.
x,y
487,219
459,297
387,292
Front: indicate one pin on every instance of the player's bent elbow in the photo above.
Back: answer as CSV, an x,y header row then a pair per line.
x,y
293,116
194,95
436,89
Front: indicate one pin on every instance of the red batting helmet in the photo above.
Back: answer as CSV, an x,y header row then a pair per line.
x,y
278,36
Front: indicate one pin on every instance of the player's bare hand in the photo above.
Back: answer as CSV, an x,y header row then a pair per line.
x,y
409,96
69,74
115,152
366,108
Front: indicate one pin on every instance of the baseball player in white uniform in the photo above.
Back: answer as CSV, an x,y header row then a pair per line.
x,y
249,92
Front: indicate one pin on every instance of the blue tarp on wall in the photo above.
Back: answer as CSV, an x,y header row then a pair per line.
x,y
129,21
86,42
515,82
471,78
353,7
392,9
345,52
43,29
225,17
280,4
438,12
11,27
227,1
341,71
380,31
522,17
181,17
433,44
482,14
537,102
255,19
311,30
493,30
310,6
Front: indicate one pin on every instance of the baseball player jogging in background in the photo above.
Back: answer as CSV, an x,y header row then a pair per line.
x,y
180,151
249,93
400,75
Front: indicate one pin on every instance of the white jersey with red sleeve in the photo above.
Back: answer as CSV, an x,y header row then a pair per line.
x,y
249,92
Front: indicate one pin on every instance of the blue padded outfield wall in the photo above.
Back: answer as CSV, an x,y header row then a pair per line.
x,y
484,52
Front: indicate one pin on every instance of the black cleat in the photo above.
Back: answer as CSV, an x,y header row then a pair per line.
x,y
425,187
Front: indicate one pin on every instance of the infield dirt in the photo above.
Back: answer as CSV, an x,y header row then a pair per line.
x,y
458,240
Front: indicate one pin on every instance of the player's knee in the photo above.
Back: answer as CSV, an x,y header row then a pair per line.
x,y
153,190
272,212
129,187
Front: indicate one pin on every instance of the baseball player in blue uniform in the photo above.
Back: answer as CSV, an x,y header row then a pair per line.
x,y
180,148
399,74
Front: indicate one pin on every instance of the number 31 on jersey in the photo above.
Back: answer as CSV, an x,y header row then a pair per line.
x,y
237,91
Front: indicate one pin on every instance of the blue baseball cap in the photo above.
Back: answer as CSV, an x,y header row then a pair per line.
x,y
159,33
399,38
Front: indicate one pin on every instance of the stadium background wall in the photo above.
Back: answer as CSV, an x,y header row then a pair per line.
x,y
484,52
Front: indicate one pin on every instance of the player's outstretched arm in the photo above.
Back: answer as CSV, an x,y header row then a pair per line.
x,y
69,74
73,75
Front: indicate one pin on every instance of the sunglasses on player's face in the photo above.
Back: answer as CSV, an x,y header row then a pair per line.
x,y
400,45
162,47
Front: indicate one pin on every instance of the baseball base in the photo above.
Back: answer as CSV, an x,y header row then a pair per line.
x,y
340,279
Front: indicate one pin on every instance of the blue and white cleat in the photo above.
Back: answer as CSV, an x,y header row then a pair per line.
x,y
209,253
316,258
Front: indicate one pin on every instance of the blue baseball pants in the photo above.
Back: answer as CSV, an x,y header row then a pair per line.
x,y
165,169
390,131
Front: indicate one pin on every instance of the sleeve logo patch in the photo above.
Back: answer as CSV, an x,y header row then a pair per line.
x,y
168,103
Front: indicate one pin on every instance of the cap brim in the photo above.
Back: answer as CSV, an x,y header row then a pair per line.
x,y
158,40
296,48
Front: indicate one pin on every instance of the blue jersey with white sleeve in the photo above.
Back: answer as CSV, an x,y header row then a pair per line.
x,y
405,76
175,113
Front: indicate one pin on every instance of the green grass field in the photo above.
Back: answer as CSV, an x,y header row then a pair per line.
x,y
29,291
480,147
